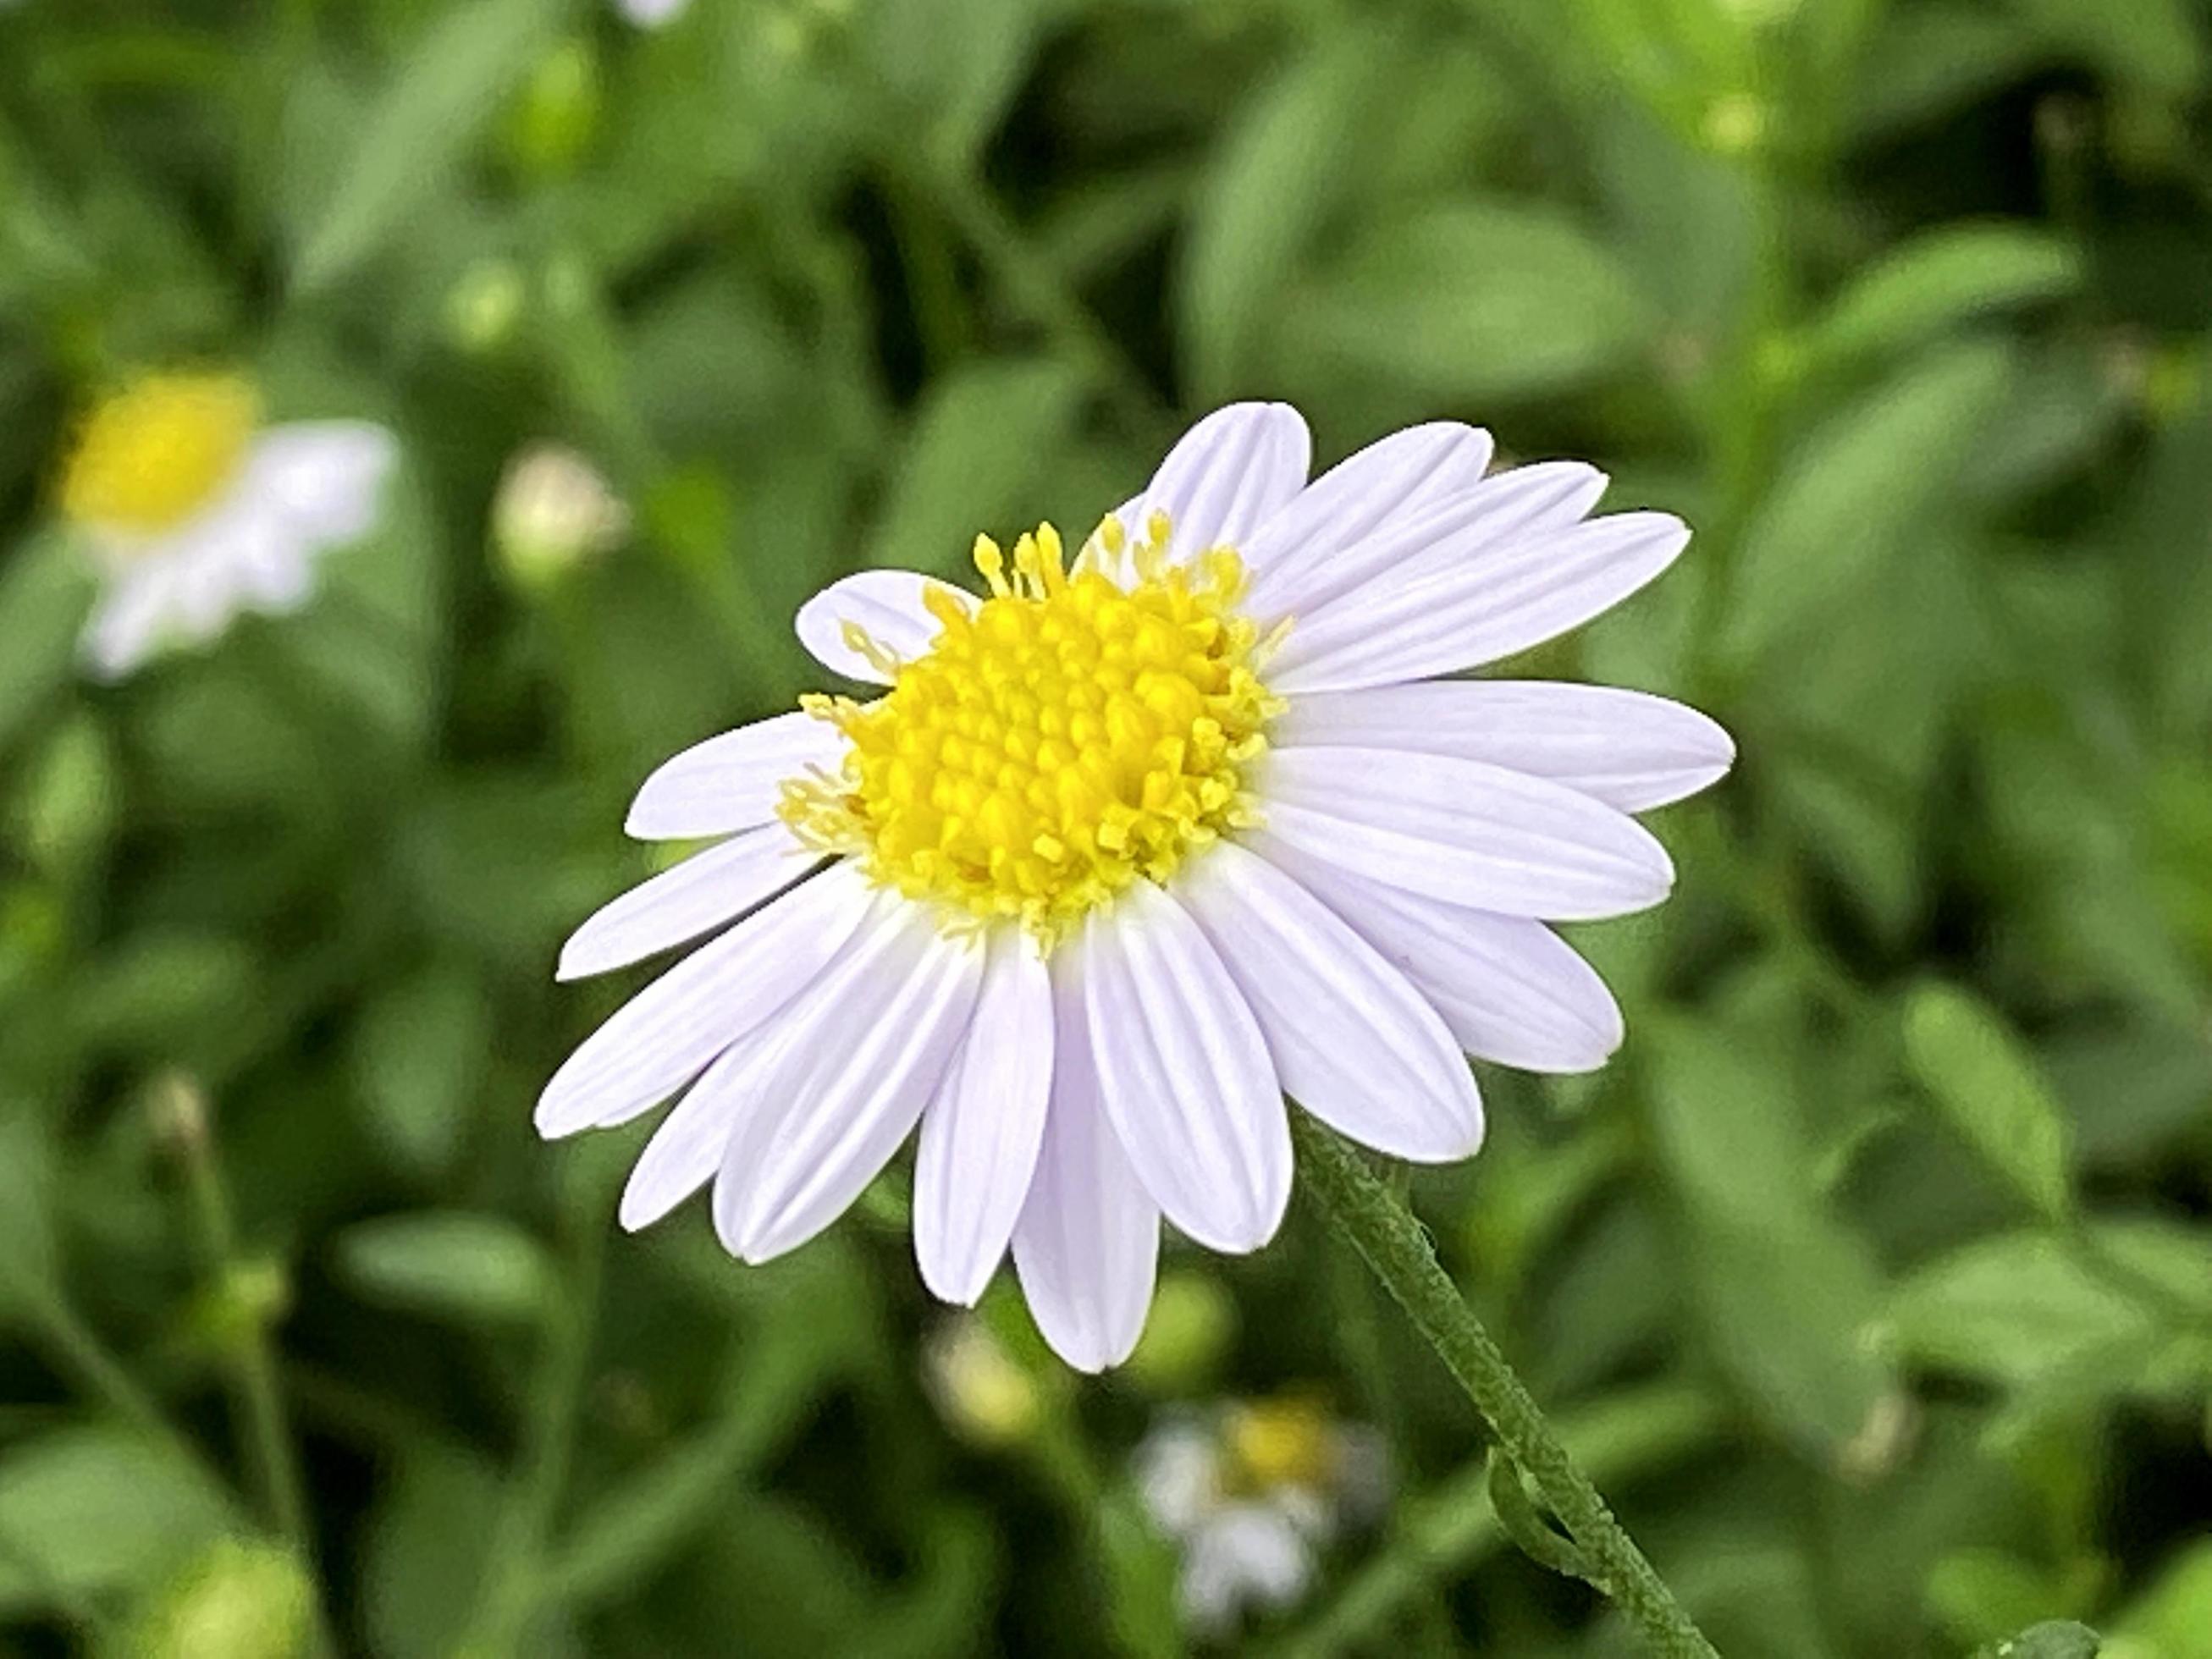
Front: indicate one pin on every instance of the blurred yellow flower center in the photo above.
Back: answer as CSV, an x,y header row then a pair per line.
x,y
1075,732
1279,1442
156,453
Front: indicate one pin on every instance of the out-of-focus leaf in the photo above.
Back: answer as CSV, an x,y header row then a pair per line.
x,y
419,131
1980,1075
936,1615
2023,1307
654,1512
2156,44
428,1540
1282,167
1788,1293
166,996
46,588
1860,491
1140,1569
417,1056
27,1219
2172,1618
473,1268
95,1511
1928,60
962,64
1983,1594
1466,301
961,476
1940,279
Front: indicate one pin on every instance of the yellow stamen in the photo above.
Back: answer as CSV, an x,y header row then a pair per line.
x,y
159,452
1073,733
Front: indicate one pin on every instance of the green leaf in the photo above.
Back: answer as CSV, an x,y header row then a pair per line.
x,y
1981,1594
1787,1291
2154,43
45,589
1986,1082
1468,300
960,474
1280,169
28,1259
2172,1618
472,1269
418,133
428,1541
2062,1639
2026,1306
417,1057
1941,279
1860,493
94,1511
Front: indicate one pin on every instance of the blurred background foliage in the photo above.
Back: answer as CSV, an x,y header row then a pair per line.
x,y
1873,1280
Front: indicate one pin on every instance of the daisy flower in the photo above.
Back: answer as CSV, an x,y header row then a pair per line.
x,y
1251,1493
652,13
1131,845
194,512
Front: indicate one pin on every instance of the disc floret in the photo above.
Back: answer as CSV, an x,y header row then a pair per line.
x,y
1077,730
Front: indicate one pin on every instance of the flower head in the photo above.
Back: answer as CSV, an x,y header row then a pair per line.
x,y
1131,844
1250,1491
194,510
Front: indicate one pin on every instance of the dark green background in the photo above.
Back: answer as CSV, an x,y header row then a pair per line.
x,y
1875,1278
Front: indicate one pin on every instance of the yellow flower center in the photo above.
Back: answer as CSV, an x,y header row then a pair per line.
x,y
1279,1442
157,452
1077,731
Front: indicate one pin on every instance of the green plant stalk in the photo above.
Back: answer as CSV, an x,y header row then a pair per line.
x,y
257,1396
1386,1233
514,1579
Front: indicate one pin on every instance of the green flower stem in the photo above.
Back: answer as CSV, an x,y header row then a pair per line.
x,y
257,1396
73,1347
1385,1231
514,1579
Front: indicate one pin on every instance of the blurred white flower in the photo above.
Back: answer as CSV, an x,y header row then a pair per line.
x,y
1134,845
1249,1492
652,13
554,508
194,512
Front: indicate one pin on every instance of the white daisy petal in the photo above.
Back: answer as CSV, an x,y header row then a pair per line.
x,y
1439,529
323,476
1184,1071
125,628
1435,617
886,604
979,1135
1393,481
1510,989
668,1031
277,575
1353,1042
687,1147
1465,832
849,1090
1226,477
732,781
1627,749
701,893
1087,1246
